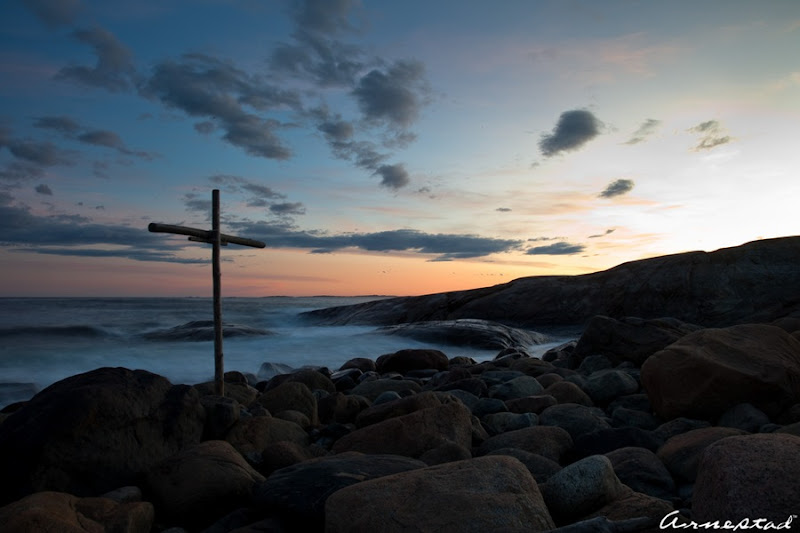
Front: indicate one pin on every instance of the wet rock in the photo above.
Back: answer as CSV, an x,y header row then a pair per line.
x,y
576,419
568,392
606,385
400,407
519,387
465,332
203,330
291,395
642,470
251,435
372,389
411,359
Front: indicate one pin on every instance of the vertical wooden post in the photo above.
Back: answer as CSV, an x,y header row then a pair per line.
x,y
216,272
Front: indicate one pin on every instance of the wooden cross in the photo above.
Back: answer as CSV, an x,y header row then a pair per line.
x,y
216,239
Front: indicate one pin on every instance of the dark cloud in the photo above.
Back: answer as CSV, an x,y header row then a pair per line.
x,y
711,135
393,97
339,135
393,176
44,189
205,127
558,248
445,246
503,209
62,124
617,188
193,202
45,154
55,13
114,70
647,129
203,86
106,138
323,16
607,232
288,208
574,129
20,171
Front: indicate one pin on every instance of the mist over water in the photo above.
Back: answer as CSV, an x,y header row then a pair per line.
x,y
43,340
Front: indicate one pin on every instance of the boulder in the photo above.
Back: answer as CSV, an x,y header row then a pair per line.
x,y
251,435
545,380
540,467
495,493
744,416
283,453
550,442
519,387
411,359
624,417
581,488
482,334
201,484
636,507
496,423
642,470
709,371
607,385
400,407
240,392
342,408
221,414
532,366
203,330
667,430
681,454
360,363
749,477
603,441
576,419
447,452
413,434
298,493
629,338
291,395
372,389
531,404
568,392
60,512
97,431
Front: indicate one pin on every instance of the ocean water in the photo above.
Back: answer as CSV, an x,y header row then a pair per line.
x,y
43,340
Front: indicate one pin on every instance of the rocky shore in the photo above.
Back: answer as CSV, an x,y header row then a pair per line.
x,y
639,425
687,419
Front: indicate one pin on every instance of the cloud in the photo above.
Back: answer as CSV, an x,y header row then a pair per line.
x,y
62,124
45,154
574,129
314,53
607,232
71,129
20,171
55,13
44,189
114,70
203,86
393,176
558,248
288,208
647,129
205,127
711,135
391,97
617,188
504,209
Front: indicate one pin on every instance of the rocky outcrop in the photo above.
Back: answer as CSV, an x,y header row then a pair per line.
x,y
97,431
495,493
755,282
466,332
707,372
203,330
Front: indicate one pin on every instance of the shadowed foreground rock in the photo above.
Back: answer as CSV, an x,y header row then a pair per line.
x,y
494,493
95,432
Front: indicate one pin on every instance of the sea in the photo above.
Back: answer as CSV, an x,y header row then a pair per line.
x,y
44,340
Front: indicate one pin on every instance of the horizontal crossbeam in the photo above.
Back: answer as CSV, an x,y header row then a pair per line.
x,y
201,235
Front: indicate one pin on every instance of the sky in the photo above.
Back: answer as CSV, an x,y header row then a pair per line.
x,y
387,148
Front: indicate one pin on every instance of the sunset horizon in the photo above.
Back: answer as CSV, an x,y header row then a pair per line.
x,y
386,149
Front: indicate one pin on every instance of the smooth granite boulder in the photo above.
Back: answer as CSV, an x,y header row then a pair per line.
x,y
581,488
495,493
709,371
681,454
749,477
550,442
